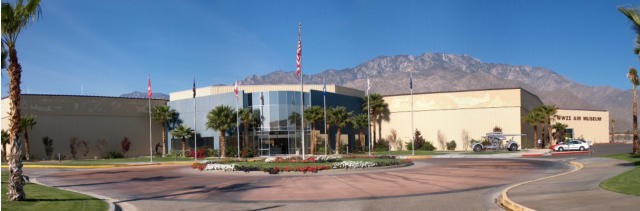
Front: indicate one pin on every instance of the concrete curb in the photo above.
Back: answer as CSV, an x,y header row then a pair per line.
x,y
415,157
507,203
103,166
110,201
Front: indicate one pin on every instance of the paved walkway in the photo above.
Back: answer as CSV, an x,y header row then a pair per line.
x,y
579,190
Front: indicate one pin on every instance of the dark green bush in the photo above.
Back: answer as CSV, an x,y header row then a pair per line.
x,y
112,155
231,151
419,140
381,146
249,152
428,146
451,145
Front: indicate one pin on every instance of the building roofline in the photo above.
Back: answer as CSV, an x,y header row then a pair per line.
x,y
87,96
580,109
467,90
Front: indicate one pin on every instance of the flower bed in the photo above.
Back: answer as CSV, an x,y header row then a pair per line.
x,y
313,164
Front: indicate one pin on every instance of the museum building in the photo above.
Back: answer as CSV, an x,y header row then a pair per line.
x,y
450,116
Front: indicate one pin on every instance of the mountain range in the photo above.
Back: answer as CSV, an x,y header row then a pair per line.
x,y
154,95
436,72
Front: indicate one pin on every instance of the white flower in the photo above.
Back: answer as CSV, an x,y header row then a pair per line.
x,y
220,167
349,164
270,159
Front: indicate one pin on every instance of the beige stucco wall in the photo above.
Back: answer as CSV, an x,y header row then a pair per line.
x,y
451,113
589,124
213,90
88,118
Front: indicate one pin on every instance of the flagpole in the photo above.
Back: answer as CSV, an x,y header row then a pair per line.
x,y
237,121
413,142
149,99
301,85
368,117
195,126
324,99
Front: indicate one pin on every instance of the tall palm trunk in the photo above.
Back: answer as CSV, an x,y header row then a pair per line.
x,y
313,139
374,132
26,144
222,143
380,129
535,135
245,138
635,121
164,144
15,190
338,142
549,131
360,137
184,143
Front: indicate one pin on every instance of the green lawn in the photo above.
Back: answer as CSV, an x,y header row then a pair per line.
x,y
106,161
627,182
47,198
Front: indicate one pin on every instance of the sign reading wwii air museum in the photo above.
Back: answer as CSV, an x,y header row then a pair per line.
x,y
578,118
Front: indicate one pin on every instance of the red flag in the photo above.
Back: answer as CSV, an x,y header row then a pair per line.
x,y
149,88
235,89
298,57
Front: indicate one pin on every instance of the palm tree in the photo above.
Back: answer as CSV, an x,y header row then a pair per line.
x,y
379,112
164,115
548,111
14,19
294,119
534,117
633,15
5,141
633,78
312,115
26,124
340,118
221,118
559,128
359,122
247,118
183,133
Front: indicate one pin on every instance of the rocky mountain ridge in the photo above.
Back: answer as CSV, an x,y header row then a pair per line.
x,y
436,72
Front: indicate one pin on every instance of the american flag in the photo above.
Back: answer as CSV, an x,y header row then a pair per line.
x,y
194,87
324,87
149,88
299,57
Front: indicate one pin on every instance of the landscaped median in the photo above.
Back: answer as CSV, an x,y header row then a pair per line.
x,y
313,164
627,182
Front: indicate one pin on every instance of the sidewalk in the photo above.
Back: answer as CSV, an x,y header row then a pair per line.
x,y
577,191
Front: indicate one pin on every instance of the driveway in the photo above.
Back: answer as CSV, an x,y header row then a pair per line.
x,y
454,184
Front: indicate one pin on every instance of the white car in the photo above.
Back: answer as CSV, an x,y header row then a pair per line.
x,y
573,144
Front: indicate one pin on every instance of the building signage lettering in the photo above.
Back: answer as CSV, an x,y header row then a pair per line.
x,y
578,118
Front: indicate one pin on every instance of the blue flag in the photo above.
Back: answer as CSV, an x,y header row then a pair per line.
x,y
410,82
324,87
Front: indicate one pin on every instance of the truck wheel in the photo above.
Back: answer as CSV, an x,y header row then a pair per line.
x,y
477,148
513,147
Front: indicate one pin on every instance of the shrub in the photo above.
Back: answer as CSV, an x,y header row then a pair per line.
x,y
497,129
428,146
83,145
419,140
201,153
441,140
125,144
231,151
248,152
48,146
101,146
212,152
72,147
112,155
381,146
451,145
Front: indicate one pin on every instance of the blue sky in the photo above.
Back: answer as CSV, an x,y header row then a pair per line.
x,y
109,47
